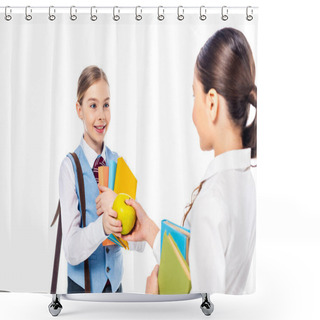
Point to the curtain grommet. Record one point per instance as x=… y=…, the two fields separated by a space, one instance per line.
x=138 y=16
x=52 y=17
x=116 y=17
x=73 y=15
x=224 y=13
x=180 y=15
x=203 y=13
x=249 y=16
x=7 y=15
x=28 y=16
x=160 y=16
x=93 y=17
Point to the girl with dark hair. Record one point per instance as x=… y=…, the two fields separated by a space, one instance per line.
x=222 y=215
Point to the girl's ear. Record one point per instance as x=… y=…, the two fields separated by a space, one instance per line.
x=212 y=104
x=79 y=110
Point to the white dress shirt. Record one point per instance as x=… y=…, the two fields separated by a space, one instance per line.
x=222 y=225
x=80 y=243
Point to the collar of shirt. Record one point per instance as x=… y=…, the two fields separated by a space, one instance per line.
x=230 y=160
x=90 y=154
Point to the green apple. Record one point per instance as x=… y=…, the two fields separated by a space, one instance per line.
x=126 y=214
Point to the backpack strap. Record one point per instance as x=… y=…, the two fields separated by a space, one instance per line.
x=59 y=232
x=58 y=211
x=83 y=211
x=55 y=272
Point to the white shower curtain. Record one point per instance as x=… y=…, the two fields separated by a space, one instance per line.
x=149 y=65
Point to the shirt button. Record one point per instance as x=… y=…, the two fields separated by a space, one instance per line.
x=108 y=269
x=107 y=249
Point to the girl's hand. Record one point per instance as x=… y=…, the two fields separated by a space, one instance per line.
x=145 y=229
x=105 y=199
x=110 y=222
x=152 y=286
x=104 y=204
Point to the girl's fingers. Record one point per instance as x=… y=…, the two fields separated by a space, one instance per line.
x=99 y=211
x=114 y=222
x=128 y=237
x=112 y=229
x=155 y=270
x=118 y=235
x=132 y=203
x=137 y=207
x=115 y=229
x=102 y=188
x=132 y=236
x=112 y=213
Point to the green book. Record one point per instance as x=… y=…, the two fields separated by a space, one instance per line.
x=174 y=272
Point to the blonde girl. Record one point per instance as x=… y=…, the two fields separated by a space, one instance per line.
x=85 y=242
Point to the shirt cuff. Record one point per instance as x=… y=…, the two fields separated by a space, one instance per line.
x=137 y=245
x=156 y=247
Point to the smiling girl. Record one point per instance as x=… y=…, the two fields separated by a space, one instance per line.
x=85 y=242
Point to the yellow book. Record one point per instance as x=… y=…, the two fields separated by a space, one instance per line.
x=125 y=181
x=174 y=273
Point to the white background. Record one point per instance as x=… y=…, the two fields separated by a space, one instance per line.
x=288 y=241
x=149 y=64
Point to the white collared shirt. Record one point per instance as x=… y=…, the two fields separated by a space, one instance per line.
x=222 y=225
x=80 y=243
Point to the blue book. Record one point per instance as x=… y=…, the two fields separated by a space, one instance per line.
x=180 y=235
x=114 y=240
x=112 y=174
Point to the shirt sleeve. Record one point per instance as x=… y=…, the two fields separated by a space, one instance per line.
x=78 y=243
x=137 y=245
x=206 y=251
x=156 y=248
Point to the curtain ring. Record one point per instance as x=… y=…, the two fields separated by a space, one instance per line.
x=203 y=14
x=51 y=15
x=8 y=17
x=180 y=16
x=93 y=17
x=249 y=16
x=116 y=17
x=160 y=16
x=138 y=16
x=224 y=13
x=28 y=16
x=73 y=16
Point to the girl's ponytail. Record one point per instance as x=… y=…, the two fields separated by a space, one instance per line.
x=194 y=195
x=249 y=133
x=252 y=97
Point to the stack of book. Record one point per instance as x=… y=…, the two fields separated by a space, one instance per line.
x=120 y=179
x=174 y=271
